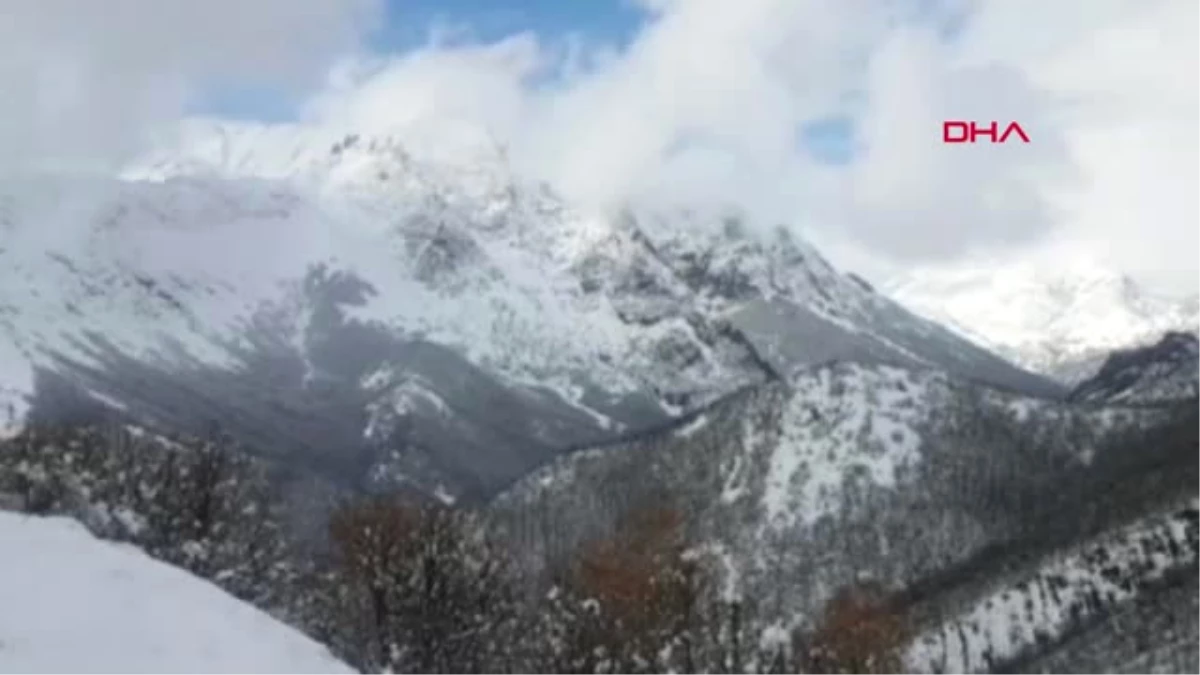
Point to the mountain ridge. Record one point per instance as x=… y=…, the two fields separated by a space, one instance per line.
x=441 y=307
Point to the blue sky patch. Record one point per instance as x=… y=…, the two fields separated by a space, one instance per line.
x=830 y=140
x=408 y=22
x=407 y=25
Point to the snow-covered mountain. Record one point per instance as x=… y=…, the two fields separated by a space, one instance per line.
x=72 y=603
x=421 y=315
x=1002 y=524
x=1059 y=320
x=375 y=311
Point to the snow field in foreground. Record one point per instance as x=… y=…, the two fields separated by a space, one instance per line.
x=72 y=603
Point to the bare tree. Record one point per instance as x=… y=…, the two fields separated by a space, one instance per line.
x=636 y=596
x=435 y=591
x=858 y=633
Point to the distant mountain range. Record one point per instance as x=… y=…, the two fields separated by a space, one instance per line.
x=1061 y=321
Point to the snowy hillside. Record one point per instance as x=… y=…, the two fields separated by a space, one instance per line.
x=664 y=270
x=889 y=472
x=423 y=312
x=1060 y=321
x=935 y=489
x=1069 y=589
x=72 y=603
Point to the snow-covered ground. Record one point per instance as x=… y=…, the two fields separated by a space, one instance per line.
x=73 y=603
x=842 y=420
x=1064 y=591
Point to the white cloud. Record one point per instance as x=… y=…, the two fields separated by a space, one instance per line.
x=704 y=105
x=704 y=102
x=86 y=81
x=918 y=198
x=485 y=84
x=1138 y=141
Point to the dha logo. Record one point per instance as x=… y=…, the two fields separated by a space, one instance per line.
x=955 y=131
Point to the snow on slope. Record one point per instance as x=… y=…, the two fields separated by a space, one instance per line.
x=187 y=262
x=461 y=251
x=984 y=504
x=836 y=425
x=1073 y=586
x=294 y=280
x=184 y=272
x=843 y=470
x=72 y=603
x=461 y=256
x=1059 y=321
x=650 y=267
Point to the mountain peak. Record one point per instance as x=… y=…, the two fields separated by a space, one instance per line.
x=310 y=151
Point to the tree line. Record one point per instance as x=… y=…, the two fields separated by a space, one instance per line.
x=402 y=583
x=424 y=589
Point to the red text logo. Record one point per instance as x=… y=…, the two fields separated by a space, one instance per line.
x=955 y=131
